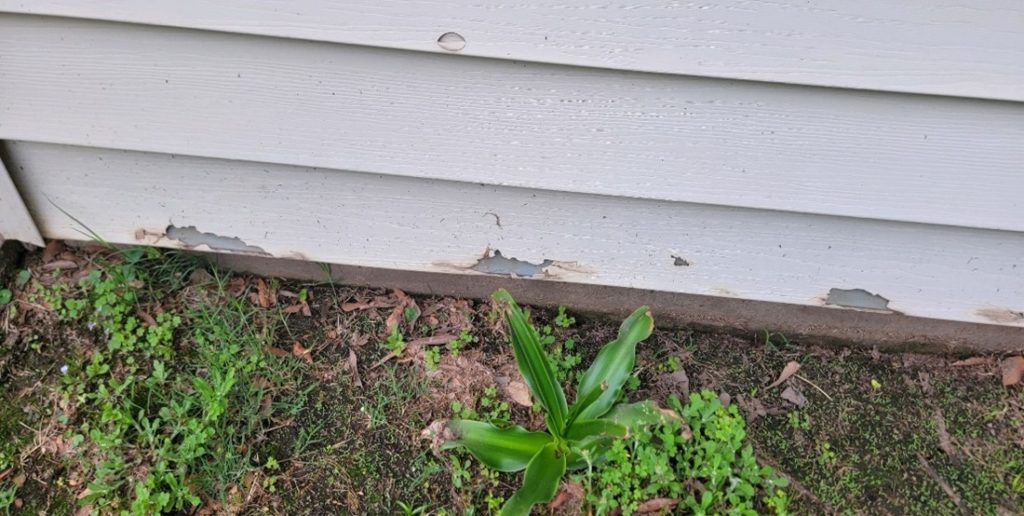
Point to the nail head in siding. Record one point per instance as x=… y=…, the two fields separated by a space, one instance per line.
x=451 y=41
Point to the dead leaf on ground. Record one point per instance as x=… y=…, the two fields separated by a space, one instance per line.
x=277 y=352
x=656 y=505
x=974 y=361
x=752 y=407
x=52 y=249
x=60 y=265
x=19 y=480
x=301 y=352
x=791 y=368
x=677 y=381
x=358 y=340
x=1013 y=370
x=518 y=392
x=146 y=318
x=263 y=297
x=353 y=368
x=794 y=396
x=569 y=499
x=236 y=287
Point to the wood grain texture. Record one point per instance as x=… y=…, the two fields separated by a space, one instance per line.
x=15 y=221
x=439 y=226
x=814 y=150
x=945 y=47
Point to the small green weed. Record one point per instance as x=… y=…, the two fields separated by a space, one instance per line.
x=706 y=449
x=564 y=320
x=395 y=342
x=165 y=407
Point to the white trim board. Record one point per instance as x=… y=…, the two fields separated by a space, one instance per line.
x=953 y=47
x=813 y=150
x=438 y=226
x=15 y=221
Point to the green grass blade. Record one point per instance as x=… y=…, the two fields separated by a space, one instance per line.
x=613 y=365
x=534 y=365
x=503 y=449
x=539 y=483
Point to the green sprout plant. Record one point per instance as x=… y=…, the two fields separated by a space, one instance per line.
x=577 y=435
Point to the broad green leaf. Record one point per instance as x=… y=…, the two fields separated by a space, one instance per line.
x=613 y=365
x=596 y=428
x=503 y=449
x=539 y=483
x=644 y=413
x=581 y=403
x=534 y=365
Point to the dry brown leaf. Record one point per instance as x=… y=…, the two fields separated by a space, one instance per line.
x=518 y=392
x=52 y=249
x=359 y=340
x=60 y=265
x=264 y=298
x=974 y=361
x=277 y=352
x=432 y=340
x=19 y=480
x=794 y=396
x=306 y=312
x=300 y=352
x=677 y=382
x=292 y=309
x=656 y=505
x=146 y=318
x=18 y=503
x=353 y=368
x=1013 y=370
x=791 y=368
x=236 y=287
x=752 y=407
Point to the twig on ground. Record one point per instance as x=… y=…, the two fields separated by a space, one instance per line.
x=815 y=386
x=939 y=480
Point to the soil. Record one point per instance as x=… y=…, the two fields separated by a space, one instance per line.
x=876 y=433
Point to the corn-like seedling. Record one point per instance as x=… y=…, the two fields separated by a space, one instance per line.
x=577 y=434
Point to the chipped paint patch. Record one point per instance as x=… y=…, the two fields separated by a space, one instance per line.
x=496 y=263
x=1001 y=315
x=679 y=261
x=190 y=237
x=858 y=299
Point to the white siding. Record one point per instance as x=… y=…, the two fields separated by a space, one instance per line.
x=968 y=48
x=284 y=129
x=438 y=226
x=15 y=221
x=858 y=154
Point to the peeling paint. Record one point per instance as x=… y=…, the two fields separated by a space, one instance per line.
x=191 y=237
x=857 y=298
x=496 y=263
x=679 y=261
x=1001 y=315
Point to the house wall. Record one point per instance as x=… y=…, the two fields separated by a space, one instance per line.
x=853 y=156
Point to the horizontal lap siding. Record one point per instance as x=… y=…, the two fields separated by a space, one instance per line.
x=813 y=150
x=440 y=226
x=967 y=48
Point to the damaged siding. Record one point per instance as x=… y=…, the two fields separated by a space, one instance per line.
x=540 y=152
